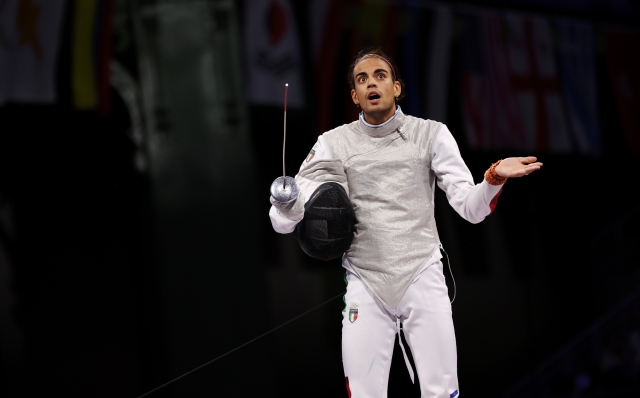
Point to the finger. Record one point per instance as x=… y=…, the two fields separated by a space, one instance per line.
x=530 y=170
x=525 y=171
x=528 y=159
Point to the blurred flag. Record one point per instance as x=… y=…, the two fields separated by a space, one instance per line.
x=319 y=11
x=491 y=114
x=272 y=53
x=577 y=68
x=418 y=37
x=375 y=24
x=439 y=59
x=91 y=54
x=83 y=76
x=535 y=83
x=328 y=41
x=347 y=28
x=622 y=56
x=411 y=57
x=29 y=44
x=422 y=51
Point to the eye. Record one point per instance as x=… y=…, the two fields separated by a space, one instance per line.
x=381 y=76
x=361 y=79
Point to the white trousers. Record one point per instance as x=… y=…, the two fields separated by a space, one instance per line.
x=368 y=336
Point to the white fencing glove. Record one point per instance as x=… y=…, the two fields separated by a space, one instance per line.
x=309 y=179
x=293 y=210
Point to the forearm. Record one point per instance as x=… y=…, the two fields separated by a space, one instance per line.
x=472 y=201
x=476 y=204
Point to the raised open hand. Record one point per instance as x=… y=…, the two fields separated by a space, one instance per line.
x=517 y=167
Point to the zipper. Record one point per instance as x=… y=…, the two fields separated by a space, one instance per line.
x=400 y=132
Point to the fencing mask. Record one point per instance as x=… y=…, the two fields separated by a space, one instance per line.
x=328 y=225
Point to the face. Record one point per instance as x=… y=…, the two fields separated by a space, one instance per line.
x=375 y=90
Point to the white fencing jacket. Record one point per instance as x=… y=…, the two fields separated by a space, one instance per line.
x=391 y=171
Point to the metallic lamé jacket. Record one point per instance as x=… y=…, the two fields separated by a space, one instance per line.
x=391 y=186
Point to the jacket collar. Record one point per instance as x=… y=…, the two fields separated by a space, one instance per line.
x=380 y=130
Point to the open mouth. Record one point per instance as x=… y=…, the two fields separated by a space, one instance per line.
x=373 y=96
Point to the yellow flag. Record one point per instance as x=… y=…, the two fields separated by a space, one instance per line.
x=82 y=62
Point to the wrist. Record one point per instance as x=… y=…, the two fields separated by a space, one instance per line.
x=492 y=176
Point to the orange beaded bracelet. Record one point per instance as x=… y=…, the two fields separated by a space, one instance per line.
x=492 y=177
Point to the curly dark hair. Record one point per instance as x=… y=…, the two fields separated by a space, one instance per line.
x=376 y=53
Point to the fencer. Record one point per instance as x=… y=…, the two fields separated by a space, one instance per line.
x=389 y=164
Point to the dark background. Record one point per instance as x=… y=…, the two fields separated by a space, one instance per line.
x=128 y=263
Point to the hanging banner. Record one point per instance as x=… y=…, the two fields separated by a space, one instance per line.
x=30 y=33
x=622 y=57
x=576 y=58
x=91 y=55
x=535 y=83
x=272 y=53
x=491 y=113
x=411 y=56
x=328 y=39
x=439 y=61
x=375 y=24
x=422 y=50
x=417 y=37
x=83 y=68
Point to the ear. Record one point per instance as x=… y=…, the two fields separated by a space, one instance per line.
x=397 y=88
x=354 y=97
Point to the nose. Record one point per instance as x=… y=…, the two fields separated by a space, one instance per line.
x=371 y=83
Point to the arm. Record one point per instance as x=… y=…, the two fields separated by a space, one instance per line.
x=472 y=201
x=285 y=222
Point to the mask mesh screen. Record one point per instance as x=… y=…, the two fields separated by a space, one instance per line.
x=326 y=231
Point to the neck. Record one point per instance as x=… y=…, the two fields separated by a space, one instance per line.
x=379 y=117
x=382 y=129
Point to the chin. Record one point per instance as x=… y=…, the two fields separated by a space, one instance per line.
x=378 y=109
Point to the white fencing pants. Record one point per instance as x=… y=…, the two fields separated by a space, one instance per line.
x=368 y=336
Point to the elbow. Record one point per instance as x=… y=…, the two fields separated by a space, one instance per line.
x=475 y=218
x=476 y=214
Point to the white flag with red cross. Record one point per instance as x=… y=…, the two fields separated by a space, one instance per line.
x=491 y=114
x=535 y=83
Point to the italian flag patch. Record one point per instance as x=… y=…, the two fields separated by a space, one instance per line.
x=353 y=314
x=310 y=156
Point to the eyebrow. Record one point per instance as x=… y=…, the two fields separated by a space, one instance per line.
x=374 y=72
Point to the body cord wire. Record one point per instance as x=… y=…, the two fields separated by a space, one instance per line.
x=240 y=346
x=455 y=289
